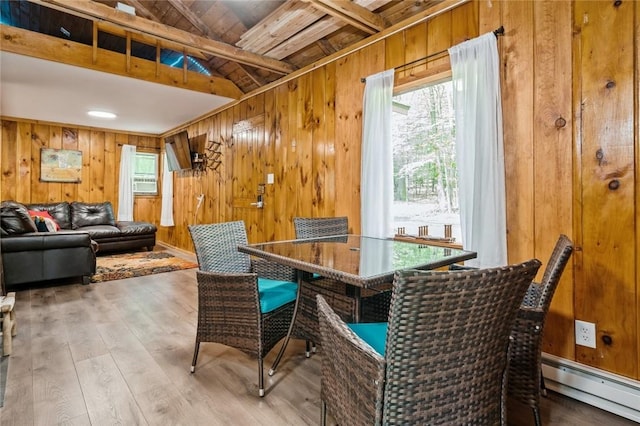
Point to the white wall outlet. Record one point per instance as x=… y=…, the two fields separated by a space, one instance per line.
x=585 y=334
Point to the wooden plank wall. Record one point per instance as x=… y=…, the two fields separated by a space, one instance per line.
x=558 y=61
x=609 y=292
x=20 y=152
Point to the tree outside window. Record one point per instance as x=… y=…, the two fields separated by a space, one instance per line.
x=424 y=157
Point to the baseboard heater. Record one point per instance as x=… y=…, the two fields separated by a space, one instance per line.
x=607 y=391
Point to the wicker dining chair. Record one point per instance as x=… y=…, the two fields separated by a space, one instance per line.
x=525 y=359
x=441 y=358
x=375 y=302
x=243 y=303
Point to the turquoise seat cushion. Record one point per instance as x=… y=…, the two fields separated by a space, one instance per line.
x=374 y=333
x=274 y=293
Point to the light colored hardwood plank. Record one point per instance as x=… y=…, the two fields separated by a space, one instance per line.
x=108 y=398
x=57 y=396
x=144 y=377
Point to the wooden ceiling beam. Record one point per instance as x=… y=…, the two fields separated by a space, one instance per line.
x=312 y=33
x=98 y=11
x=146 y=13
x=184 y=10
x=117 y=30
x=251 y=76
x=326 y=46
x=42 y=46
x=353 y=14
x=309 y=35
x=288 y=19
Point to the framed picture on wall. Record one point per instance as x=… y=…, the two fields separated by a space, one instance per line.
x=60 y=165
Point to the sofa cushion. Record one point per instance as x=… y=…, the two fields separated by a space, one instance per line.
x=101 y=231
x=374 y=333
x=90 y=214
x=136 y=228
x=60 y=212
x=15 y=219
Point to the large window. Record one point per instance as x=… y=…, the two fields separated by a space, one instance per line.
x=424 y=160
x=145 y=177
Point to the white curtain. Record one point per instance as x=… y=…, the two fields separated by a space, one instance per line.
x=376 y=183
x=125 y=194
x=166 y=213
x=479 y=149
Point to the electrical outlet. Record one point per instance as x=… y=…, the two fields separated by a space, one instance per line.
x=585 y=334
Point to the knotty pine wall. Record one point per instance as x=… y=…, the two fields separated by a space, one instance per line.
x=558 y=111
x=20 y=149
x=571 y=117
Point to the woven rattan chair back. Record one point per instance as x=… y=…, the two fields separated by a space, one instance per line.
x=553 y=271
x=314 y=227
x=446 y=351
x=306 y=323
x=228 y=296
x=525 y=353
x=216 y=246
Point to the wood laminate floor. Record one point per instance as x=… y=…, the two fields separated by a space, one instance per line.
x=119 y=353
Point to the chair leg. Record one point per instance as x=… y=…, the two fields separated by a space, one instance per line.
x=6 y=334
x=323 y=413
x=8 y=316
x=307 y=351
x=543 y=388
x=195 y=356
x=260 y=378
x=14 y=324
x=273 y=368
x=536 y=416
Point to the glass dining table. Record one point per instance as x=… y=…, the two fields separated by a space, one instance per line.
x=358 y=261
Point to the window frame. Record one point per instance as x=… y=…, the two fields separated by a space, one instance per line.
x=411 y=83
x=156 y=176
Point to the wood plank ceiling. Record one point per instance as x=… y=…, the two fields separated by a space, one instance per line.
x=250 y=42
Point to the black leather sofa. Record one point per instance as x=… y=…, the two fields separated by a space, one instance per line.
x=85 y=228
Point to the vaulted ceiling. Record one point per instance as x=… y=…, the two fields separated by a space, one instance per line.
x=294 y=32
x=249 y=43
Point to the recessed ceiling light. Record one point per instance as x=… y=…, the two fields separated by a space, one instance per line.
x=101 y=114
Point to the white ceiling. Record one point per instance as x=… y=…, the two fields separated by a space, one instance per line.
x=49 y=91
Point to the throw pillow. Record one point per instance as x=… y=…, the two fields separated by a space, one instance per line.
x=39 y=221
x=60 y=212
x=15 y=219
x=47 y=220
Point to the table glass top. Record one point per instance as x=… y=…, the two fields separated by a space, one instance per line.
x=360 y=256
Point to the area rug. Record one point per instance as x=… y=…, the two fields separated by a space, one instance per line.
x=128 y=265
